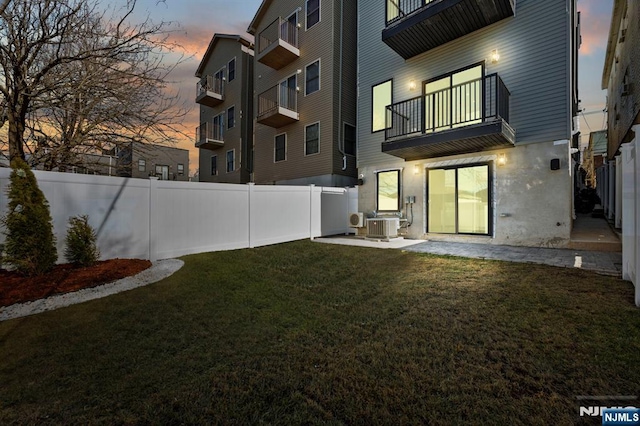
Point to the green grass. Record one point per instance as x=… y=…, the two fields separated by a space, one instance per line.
x=316 y=333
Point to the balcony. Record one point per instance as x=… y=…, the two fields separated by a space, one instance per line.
x=278 y=44
x=210 y=91
x=210 y=136
x=278 y=106
x=416 y=26
x=464 y=118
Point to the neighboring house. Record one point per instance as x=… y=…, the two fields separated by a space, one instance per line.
x=466 y=117
x=305 y=92
x=594 y=156
x=225 y=96
x=141 y=160
x=621 y=75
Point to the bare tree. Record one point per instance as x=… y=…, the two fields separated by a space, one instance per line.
x=4 y=5
x=74 y=78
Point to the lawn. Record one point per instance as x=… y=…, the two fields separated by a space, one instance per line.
x=316 y=333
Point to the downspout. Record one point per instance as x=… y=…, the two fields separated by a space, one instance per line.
x=340 y=125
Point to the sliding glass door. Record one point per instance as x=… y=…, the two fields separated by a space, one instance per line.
x=459 y=200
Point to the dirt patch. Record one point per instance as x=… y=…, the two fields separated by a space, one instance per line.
x=16 y=288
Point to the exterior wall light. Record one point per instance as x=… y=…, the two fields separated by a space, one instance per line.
x=502 y=160
x=412 y=85
x=495 y=56
x=416 y=169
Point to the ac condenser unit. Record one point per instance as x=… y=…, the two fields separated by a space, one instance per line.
x=383 y=227
x=356 y=220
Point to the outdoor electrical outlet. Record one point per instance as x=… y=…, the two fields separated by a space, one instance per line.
x=411 y=199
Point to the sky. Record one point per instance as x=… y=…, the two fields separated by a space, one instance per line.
x=195 y=22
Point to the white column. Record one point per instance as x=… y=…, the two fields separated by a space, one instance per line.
x=153 y=218
x=628 y=212
x=250 y=223
x=636 y=186
x=611 y=189
x=618 y=193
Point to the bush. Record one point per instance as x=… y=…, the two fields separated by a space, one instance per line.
x=81 y=242
x=30 y=246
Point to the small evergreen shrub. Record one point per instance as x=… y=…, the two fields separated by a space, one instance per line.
x=30 y=246
x=81 y=242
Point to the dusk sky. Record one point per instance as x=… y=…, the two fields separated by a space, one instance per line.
x=195 y=22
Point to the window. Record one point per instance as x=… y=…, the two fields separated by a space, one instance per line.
x=312 y=139
x=388 y=187
x=280 y=147
x=459 y=200
x=214 y=165
x=231 y=117
x=312 y=78
x=218 y=82
x=180 y=169
x=231 y=70
x=162 y=172
x=313 y=12
x=288 y=93
x=231 y=159
x=217 y=132
x=349 y=139
x=142 y=165
x=381 y=97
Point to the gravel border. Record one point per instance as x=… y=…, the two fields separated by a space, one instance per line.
x=158 y=271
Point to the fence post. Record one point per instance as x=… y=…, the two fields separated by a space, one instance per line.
x=250 y=207
x=618 y=197
x=153 y=204
x=628 y=212
x=311 y=206
x=636 y=188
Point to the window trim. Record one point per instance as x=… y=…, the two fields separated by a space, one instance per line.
x=306 y=15
x=212 y=161
x=227 y=127
x=275 y=160
x=229 y=79
x=305 y=77
x=399 y=172
x=305 y=139
x=233 y=151
x=355 y=142
x=372 y=103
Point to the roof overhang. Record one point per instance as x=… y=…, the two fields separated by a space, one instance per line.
x=212 y=44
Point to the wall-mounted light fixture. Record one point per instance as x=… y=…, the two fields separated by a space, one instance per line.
x=416 y=169
x=502 y=160
x=412 y=85
x=495 y=56
x=299 y=71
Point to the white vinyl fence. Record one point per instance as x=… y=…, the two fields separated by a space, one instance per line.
x=153 y=219
x=630 y=174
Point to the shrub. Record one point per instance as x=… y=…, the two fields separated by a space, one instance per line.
x=30 y=246
x=81 y=242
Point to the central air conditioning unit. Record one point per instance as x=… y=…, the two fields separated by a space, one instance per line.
x=386 y=227
x=356 y=220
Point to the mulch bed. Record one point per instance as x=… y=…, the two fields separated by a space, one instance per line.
x=16 y=288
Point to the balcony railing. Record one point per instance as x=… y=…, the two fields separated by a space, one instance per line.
x=210 y=90
x=278 y=106
x=472 y=102
x=398 y=9
x=278 y=44
x=209 y=135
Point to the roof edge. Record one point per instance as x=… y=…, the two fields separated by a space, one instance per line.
x=214 y=40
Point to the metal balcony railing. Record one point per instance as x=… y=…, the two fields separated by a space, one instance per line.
x=278 y=29
x=212 y=83
x=208 y=132
x=398 y=9
x=278 y=96
x=468 y=103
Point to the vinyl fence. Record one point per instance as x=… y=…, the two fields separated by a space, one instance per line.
x=153 y=219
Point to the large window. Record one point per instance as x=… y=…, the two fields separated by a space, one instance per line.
x=459 y=200
x=312 y=78
x=231 y=160
x=231 y=117
x=288 y=92
x=214 y=165
x=231 y=71
x=388 y=187
x=313 y=12
x=280 y=148
x=312 y=139
x=217 y=132
x=349 y=139
x=381 y=97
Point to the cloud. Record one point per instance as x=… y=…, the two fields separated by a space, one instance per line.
x=595 y=19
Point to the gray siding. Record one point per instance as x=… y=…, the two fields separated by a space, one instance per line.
x=319 y=42
x=534 y=64
x=159 y=155
x=238 y=138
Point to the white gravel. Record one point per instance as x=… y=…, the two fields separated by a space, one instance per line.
x=158 y=271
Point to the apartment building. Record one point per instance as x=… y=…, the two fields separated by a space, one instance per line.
x=141 y=160
x=305 y=92
x=225 y=95
x=466 y=118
